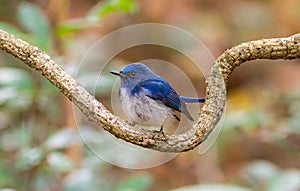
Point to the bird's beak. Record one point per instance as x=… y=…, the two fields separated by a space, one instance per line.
x=114 y=72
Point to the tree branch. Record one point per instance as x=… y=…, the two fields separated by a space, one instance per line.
x=281 y=48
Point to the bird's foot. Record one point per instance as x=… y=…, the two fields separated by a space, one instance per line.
x=161 y=131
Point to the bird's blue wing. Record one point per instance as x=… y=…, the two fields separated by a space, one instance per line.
x=159 y=90
x=162 y=91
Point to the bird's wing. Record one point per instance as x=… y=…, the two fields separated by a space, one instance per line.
x=162 y=91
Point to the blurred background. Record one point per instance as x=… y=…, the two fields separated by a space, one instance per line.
x=40 y=148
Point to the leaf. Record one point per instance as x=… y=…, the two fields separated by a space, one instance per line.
x=294 y=122
x=246 y=119
x=95 y=15
x=287 y=181
x=13 y=83
x=213 y=187
x=17 y=139
x=59 y=162
x=6 y=176
x=96 y=83
x=13 y=30
x=262 y=171
x=109 y=6
x=42 y=180
x=16 y=78
x=12 y=76
x=62 y=139
x=81 y=179
x=28 y=157
x=136 y=183
x=8 y=94
x=33 y=20
x=74 y=25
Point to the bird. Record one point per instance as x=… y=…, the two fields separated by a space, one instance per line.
x=149 y=100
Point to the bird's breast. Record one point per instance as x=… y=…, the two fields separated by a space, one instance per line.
x=143 y=110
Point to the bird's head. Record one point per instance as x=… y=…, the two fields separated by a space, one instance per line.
x=134 y=73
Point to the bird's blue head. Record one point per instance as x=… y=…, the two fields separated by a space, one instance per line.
x=134 y=73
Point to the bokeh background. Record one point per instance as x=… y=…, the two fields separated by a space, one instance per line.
x=259 y=143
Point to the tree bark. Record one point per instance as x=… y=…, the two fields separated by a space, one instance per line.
x=210 y=114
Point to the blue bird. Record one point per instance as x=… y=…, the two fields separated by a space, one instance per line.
x=147 y=99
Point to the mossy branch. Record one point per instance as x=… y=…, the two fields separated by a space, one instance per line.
x=277 y=48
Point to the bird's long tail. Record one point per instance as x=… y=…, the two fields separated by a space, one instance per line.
x=192 y=99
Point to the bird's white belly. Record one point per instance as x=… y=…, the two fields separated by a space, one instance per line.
x=146 y=111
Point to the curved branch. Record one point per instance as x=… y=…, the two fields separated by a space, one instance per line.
x=281 y=48
x=276 y=48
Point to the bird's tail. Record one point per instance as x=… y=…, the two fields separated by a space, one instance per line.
x=192 y=99
x=189 y=100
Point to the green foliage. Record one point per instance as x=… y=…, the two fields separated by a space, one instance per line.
x=59 y=162
x=32 y=141
x=260 y=175
x=287 y=180
x=213 y=187
x=276 y=118
x=263 y=175
x=62 y=139
x=95 y=15
x=34 y=21
x=111 y=6
x=89 y=81
x=11 y=29
x=136 y=183
x=261 y=172
x=13 y=83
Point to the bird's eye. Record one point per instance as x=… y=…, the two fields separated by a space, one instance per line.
x=133 y=74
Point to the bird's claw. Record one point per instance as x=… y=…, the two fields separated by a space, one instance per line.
x=161 y=131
